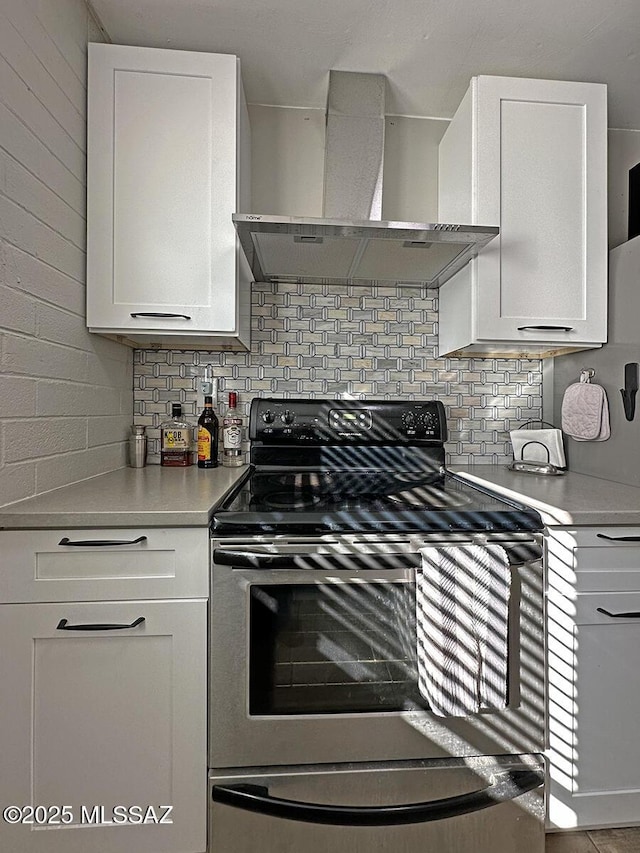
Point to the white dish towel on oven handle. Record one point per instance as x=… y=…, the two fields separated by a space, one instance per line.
x=462 y=625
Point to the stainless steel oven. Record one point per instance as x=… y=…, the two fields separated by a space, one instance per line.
x=313 y=654
x=317 y=712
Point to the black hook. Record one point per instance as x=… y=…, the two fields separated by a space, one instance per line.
x=630 y=389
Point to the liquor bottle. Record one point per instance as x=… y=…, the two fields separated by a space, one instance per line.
x=232 y=434
x=176 y=437
x=208 y=436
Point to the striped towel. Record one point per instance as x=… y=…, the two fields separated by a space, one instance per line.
x=462 y=621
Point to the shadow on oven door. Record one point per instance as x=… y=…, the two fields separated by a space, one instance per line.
x=477 y=806
x=313 y=656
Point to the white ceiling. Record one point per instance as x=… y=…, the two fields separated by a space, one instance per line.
x=428 y=49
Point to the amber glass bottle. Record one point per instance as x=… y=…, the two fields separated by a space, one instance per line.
x=208 y=436
x=176 y=438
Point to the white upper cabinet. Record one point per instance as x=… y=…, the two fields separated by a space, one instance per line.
x=168 y=165
x=531 y=157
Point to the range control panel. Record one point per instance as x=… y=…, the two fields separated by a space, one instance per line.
x=299 y=422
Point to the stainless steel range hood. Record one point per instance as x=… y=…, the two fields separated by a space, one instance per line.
x=351 y=244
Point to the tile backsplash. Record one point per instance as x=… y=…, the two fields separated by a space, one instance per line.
x=340 y=341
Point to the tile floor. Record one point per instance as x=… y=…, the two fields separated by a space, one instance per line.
x=595 y=841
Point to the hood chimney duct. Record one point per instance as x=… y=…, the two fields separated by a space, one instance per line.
x=354 y=149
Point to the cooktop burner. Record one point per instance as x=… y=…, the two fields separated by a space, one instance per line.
x=291 y=500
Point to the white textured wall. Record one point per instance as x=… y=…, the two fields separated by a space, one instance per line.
x=65 y=395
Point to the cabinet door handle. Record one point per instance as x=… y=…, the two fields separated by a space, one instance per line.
x=84 y=543
x=546 y=328
x=160 y=314
x=618 y=538
x=631 y=615
x=64 y=626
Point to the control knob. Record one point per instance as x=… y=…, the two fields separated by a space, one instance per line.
x=409 y=421
x=268 y=417
x=287 y=417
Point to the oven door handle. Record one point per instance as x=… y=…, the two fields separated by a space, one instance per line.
x=517 y=554
x=255 y=560
x=255 y=798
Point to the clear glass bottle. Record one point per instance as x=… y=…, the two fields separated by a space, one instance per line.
x=176 y=439
x=208 y=436
x=232 y=429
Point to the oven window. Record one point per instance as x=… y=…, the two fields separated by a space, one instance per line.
x=332 y=648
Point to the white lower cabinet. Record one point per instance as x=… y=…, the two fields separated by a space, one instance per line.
x=594 y=690
x=103 y=703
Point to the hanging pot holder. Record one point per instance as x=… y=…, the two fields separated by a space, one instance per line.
x=585 y=410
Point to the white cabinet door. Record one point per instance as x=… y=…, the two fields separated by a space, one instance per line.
x=594 y=688
x=165 y=144
x=104 y=718
x=531 y=158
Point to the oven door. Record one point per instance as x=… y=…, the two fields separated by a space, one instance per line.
x=313 y=655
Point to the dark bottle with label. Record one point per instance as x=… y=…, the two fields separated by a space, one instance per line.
x=208 y=436
x=176 y=439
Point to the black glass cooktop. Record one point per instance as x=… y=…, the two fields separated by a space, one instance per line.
x=326 y=501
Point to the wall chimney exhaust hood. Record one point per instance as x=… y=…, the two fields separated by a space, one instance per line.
x=350 y=244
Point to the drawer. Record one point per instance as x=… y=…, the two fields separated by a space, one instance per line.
x=621 y=608
x=599 y=559
x=104 y=564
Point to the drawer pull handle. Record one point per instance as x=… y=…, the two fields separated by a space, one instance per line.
x=64 y=626
x=546 y=328
x=631 y=615
x=91 y=542
x=618 y=538
x=159 y=314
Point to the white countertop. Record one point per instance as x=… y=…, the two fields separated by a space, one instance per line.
x=563 y=500
x=185 y=497
x=130 y=497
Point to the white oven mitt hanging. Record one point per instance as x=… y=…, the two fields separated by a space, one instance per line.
x=585 y=410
